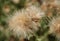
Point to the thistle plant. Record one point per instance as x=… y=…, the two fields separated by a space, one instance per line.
x=29 y=20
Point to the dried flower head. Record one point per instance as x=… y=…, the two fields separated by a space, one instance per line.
x=25 y=22
x=6 y=8
x=57 y=2
x=55 y=27
x=15 y=1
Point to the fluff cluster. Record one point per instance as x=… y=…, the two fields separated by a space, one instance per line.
x=57 y=2
x=26 y=21
x=55 y=27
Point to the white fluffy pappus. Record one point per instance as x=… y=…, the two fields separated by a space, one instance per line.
x=26 y=21
x=55 y=27
x=57 y=2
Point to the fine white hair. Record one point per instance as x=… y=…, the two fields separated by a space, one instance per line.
x=55 y=27
x=23 y=22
